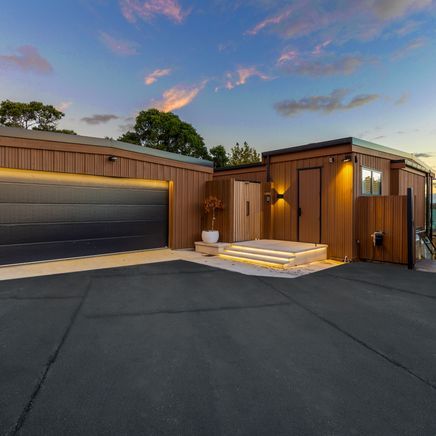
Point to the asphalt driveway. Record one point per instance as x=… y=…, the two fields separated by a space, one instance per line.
x=181 y=348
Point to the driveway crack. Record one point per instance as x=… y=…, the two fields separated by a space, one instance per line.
x=390 y=288
x=351 y=336
x=179 y=312
x=48 y=365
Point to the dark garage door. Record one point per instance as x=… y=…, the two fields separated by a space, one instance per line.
x=48 y=216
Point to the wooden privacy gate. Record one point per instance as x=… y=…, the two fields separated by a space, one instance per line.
x=241 y=219
x=387 y=214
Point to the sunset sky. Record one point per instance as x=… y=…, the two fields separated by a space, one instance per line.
x=272 y=72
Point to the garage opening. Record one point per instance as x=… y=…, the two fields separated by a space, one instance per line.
x=54 y=215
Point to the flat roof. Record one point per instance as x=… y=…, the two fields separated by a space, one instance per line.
x=39 y=135
x=239 y=167
x=353 y=141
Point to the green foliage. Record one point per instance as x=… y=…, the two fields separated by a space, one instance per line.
x=240 y=155
x=166 y=131
x=219 y=156
x=34 y=115
x=130 y=137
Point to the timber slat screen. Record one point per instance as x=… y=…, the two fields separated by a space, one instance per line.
x=387 y=214
x=241 y=219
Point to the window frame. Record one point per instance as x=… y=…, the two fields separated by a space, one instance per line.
x=372 y=171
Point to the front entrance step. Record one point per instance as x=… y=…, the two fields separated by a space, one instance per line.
x=211 y=249
x=277 y=254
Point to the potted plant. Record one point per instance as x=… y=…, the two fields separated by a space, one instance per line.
x=211 y=204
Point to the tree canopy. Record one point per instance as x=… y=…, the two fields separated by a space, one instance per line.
x=219 y=156
x=240 y=155
x=166 y=131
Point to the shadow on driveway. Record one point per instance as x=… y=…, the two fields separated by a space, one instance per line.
x=181 y=348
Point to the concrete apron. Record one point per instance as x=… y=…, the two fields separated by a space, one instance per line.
x=151 y=256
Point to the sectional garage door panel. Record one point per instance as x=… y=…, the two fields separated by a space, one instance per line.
x=41 y=220
x=20 y=192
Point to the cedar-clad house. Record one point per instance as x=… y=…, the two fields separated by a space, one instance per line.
x=339 y=193
x=66 y=196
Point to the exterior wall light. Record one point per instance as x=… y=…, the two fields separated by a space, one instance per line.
x=331 y=160
x=113 y=158
x=346 y=158
x=280 y=196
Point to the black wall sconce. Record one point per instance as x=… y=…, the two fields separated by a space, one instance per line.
x=331 y=160
x=113 y=158
x=280 y=196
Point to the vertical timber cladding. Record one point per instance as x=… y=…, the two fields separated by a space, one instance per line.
x=337 y=201
x=241 y=218
x=186 y=180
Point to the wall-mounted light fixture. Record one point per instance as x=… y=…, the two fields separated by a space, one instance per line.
x=280 y=196
x=113 y=158
x=347 y=158
x=331 y=160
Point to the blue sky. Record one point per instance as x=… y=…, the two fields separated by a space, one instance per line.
x=274 y=73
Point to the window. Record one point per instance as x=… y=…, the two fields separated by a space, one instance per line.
x=371 y=182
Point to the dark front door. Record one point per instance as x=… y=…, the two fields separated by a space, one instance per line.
x=309 y=205
x=48 y=216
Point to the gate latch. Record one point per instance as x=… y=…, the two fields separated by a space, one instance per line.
x=377 y=238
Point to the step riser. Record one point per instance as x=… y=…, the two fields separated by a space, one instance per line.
x=254 y=261
x=275 y=260
x=267 y=258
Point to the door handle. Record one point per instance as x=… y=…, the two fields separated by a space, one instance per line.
x=247 y=208
x=299 y=211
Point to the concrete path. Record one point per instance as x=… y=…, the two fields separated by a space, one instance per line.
x=152 y=256
x=182 y=348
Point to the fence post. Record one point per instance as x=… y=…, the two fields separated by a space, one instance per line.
x=411 y=233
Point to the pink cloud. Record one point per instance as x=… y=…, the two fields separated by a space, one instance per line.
x=156 y=74
x=27 y=59
x=319 y=48
x=120 y=47
x=287 y=55
x=277 y=19
x=408 y=48
x=178 y=97
x=242 y=75
x=340 y=21
x=146 y=10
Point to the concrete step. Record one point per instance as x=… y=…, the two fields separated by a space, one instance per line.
x=276 y=258
x=259 y=256
x=256 y=261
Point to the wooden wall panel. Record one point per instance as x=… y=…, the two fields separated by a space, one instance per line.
x=224 y=190
x=247 y=227
x=389 y=215
x=188 y=179
x=409 y=179
x=336 y=203
x=256 y=174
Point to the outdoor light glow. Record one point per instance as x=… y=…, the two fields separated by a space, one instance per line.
x=252 y=261
x=66 y=178
x=289 y=256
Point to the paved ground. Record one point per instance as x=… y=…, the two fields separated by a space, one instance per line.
x=153 y=256
x=182 y=348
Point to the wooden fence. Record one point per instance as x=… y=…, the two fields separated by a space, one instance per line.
x=387 y=214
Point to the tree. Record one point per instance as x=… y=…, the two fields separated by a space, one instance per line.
x=34 y=115
x=240 y=155
x=166 y=131
x=64 y=131
x=219 y=156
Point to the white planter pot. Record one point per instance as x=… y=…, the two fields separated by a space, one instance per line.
x=210 y=236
